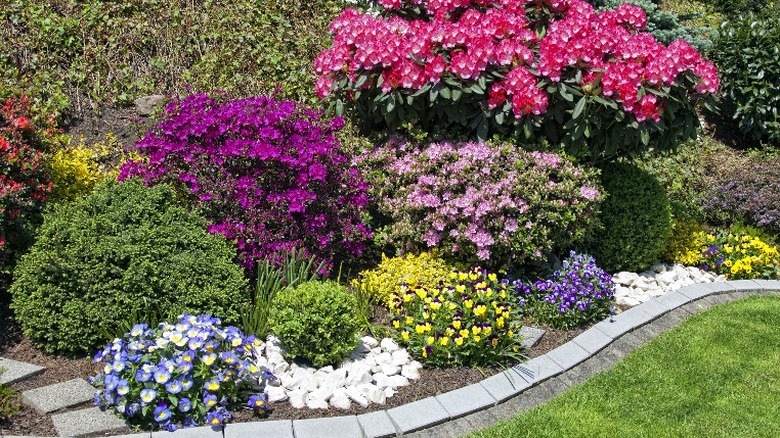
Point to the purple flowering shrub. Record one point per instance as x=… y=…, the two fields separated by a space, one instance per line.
x=749 y=192
x=484 y=203
x=269 y=175
x=578 y=293
x=181 y=375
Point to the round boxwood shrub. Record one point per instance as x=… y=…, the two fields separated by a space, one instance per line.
x=107 y=256
x=636 y=219
x=316 y=322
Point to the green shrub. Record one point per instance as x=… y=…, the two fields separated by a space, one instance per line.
x=747 y=54
x=105 y=257
x=737 y=7
x=666 y=26
x=316 y=322
x=636 y=219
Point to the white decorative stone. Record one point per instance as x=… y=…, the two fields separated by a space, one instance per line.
x=373 y=393
x=667 y=277
x=297 y=398
x=389 y=345
x=359 y=373
x=401 y=357
x=276 y=393
x=659 y=267
x=389 y=392
x=336 y=379
x=390 y=369
x=625 y=278
x=354 y=394
x=412 y=370
x=371 y=342
x=384 y=359
x=313 y=402
x=340 y=400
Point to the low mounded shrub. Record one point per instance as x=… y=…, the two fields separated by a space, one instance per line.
x=685 y=243
x=593 y=83
x=490 y=204
x=100 y=259
x=181 y=375
x=471 y=321
x=316 y=321
x=426 y=270
x=747 y=54
x=579 y=293
x=636 y=220
x=268 y=175
x=740 y=256
x=750 y=192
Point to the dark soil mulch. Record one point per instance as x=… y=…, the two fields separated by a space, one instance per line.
x=433 y=381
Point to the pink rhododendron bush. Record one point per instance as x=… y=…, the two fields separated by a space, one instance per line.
x=495 y=205
x=547 y=69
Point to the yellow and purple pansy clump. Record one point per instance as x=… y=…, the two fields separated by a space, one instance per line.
x=469 y=321
x=191 y=373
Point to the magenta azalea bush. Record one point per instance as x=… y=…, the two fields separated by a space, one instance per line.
x=269 y=175
x=493 y=204
x=593 y=82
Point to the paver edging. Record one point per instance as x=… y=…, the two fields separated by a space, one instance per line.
x=682 y=297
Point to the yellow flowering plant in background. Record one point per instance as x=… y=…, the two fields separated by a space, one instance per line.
x=426 y=270
x=740 y=256
x=76 y=169
x=471 y=321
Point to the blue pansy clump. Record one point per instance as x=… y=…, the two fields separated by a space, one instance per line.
x=578 y=293
x=181 y=375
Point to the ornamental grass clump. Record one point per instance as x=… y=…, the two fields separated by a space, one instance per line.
x=577 y=294
x=471 y=321
x=740 y=256
x=268 y=175
x=426 y=269
x=489 y=204
x=593 y=82
x=181 y=375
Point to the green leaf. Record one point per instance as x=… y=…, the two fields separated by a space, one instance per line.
x=456 y=93
x=445 y=93
x=579 y=108
x=339 y=108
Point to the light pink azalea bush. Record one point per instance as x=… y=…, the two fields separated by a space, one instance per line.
x=556 y=69
x=492 y=204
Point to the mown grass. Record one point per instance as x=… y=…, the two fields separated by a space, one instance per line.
x=716 y=375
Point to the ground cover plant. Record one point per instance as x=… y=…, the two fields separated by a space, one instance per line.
x=554 y=70
x=714 y=375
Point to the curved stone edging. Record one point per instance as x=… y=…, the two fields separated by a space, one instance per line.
x=519 y=388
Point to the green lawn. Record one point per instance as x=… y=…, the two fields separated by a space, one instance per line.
x=716 y=375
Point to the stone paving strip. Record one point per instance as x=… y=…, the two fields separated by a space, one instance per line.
x=480 y=405
x=61 y=395
x=14 y=371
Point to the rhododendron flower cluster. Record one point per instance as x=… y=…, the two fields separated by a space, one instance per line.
x=24 y=182
x=494 y=204
x=505 y=54
x=268 y=175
